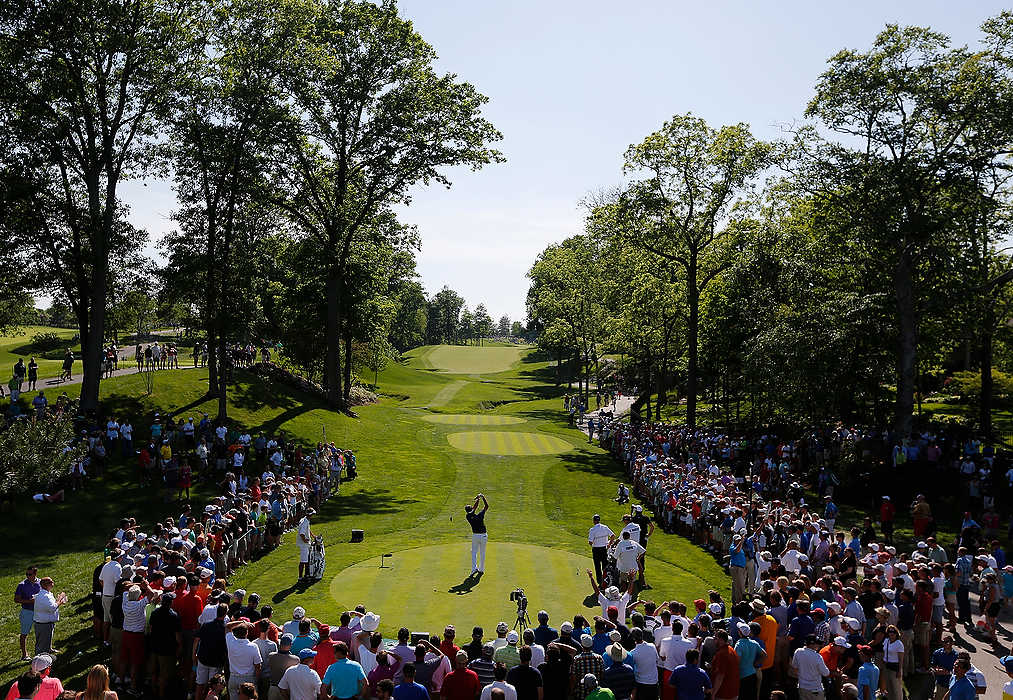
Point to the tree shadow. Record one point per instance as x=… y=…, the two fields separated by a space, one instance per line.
x=465 y=586
x=367 y=501
x=600 y=463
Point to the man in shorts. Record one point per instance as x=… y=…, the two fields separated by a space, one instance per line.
x=24 y=595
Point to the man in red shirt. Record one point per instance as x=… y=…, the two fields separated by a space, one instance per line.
x=886 y=515
x=924 y=593
x=461 y=683
x=725 y=669
x=188 y=605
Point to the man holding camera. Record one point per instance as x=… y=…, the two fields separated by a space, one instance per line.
x=479 y=535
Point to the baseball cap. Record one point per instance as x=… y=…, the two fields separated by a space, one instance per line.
x=566 y=627
x=299 y=612
x=286 y=640
x=1006 y=661
x=615 y=635
x=841 y=642
x=41 y=662
x=715 y=608
x=306 y=654
x=502 y=627
x=586 y=641
x=512 y=637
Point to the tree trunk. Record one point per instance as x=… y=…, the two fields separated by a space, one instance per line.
x=985 y=415
x=348 y=366
x=332 y=364
x=907 y=344
x=91 y=345
x=223 y=381
x=693 y=297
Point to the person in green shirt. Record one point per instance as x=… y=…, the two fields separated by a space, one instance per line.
x=15 y=386
x=508 y=655
x=594 y=692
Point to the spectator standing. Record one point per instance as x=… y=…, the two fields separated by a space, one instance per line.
x=244 y=656
x=527 y=681
x=166 y=642
x=689 y=680
x=46 y=613
x=493 y=690
x=278 y=663
x=645 y=666
x=408 y=689
x=619 y=676
x=301 y=682
x=24 y=595
x=462 y=683
x=811 y=669
x=344 y=678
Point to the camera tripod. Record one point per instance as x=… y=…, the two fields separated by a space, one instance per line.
x=522 y=621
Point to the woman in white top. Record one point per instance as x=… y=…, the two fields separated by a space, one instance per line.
x=892 y=680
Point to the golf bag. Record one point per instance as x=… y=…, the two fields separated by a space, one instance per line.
x=610 y=572
x=318 y=559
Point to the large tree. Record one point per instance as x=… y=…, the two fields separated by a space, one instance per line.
x=83 y=84
x=224 y=125
x=916 y=119
x=690 y=177
x=372 y=118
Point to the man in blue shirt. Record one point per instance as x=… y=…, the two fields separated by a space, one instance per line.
x=409 y=689
x=943 y=659
x=738 y=568
x=344 y=678
x=544 y=634
x=751 y=657
x=868 y=675
x=690 y=681
x=961 y=688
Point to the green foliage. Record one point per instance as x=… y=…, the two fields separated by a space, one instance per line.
x=33 y=454
x=43 y=342
x=968 y=384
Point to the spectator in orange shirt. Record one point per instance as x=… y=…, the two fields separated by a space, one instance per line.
x=724 y=671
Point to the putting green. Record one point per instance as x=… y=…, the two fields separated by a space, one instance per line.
x=488 y=442
x=472 y=419
x=466 y=359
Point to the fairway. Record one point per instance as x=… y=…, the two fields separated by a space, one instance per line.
x=472 y=419
x=468 y=359
x=488 y=442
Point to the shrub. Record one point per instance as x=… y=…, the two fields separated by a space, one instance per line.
x=43 y=342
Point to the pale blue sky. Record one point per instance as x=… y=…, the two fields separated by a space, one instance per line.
x=572 y=84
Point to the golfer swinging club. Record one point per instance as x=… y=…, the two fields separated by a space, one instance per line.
x=479 y=536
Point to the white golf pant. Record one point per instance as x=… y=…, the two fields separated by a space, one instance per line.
x=478 y=542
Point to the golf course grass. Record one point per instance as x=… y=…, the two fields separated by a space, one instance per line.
x=467 y=359
x=409 y=499
x=502 y=443
x=471 y=419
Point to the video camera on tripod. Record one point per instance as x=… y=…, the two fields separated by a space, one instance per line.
x=517 y=596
